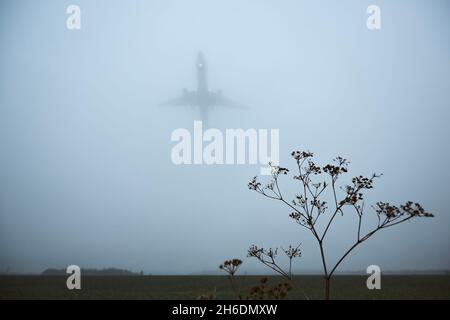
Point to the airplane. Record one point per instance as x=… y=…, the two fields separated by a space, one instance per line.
x=202 y=98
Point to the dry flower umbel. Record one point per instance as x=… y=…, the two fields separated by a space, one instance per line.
x=309 y=210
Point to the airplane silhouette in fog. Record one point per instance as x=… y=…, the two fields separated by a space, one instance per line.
x=202 y=98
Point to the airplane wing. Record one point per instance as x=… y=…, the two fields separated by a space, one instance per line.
x=185 y=99
x=218 y=99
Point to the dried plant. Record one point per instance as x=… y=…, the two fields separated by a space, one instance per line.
x=311 y=212
x=231 y=267
x=264 y=291
x=268 y=258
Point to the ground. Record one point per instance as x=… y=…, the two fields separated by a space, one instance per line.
x=190 y=287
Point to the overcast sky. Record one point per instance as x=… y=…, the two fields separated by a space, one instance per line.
x=86 y=176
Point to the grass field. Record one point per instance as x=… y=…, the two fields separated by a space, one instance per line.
x=190 y=287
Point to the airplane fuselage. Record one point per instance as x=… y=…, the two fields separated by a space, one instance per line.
x=202 y=98
x=202 y=83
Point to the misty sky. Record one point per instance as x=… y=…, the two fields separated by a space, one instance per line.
x=86 y=176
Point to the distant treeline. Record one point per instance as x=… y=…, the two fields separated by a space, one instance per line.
x=93 y=272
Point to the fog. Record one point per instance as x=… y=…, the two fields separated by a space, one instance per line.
x=86 y=175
